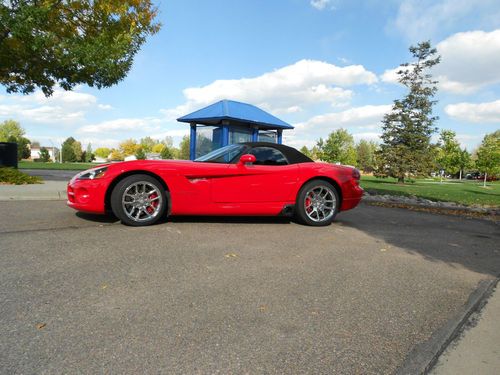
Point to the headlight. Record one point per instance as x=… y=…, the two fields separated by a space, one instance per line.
x=92 y=174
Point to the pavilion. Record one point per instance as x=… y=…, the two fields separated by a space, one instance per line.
x=227 y=122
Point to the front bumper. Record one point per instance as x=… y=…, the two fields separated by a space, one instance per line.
x=87 y=195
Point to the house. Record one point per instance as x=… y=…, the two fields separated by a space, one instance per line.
x=35 y=152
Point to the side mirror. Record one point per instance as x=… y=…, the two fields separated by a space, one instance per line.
x=247 y=158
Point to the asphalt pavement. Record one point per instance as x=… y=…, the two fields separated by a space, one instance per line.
x=51 y=175
x=84 y=294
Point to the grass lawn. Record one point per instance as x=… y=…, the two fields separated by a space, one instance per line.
x=465 y=192
x=63 y=166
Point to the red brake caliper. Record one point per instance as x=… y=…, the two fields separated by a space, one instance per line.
x=153 y=205
x=308 y=204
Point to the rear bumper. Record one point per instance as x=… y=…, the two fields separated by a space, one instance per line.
x=352 y=200
x=87 y=195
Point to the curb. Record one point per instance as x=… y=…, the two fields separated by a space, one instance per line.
x=456 y=211
x=424 y=356
x=49 y=190
x=61 y=196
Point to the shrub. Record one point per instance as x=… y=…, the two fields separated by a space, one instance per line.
x=14 y=177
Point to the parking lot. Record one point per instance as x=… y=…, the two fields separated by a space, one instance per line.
x=85 y=294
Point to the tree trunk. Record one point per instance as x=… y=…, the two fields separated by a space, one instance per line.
x=460 y=178
x=401 y=179
x=484 y=182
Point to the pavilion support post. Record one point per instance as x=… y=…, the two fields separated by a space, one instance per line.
x=280 y=136
x=192 y=142
x=255 y=134
x=225 y=133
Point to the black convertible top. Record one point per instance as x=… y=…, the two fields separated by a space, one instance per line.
x=293 y=156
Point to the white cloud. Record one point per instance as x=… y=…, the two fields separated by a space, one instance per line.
x=365 y=117
x=357 y=120
x=289 y=88
x=63 y=107
x=423 y=19
x=122 y=125
x=320 y=4
x=469 y=62
x=477 y=113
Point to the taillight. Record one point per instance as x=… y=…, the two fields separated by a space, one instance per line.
x=356 y=175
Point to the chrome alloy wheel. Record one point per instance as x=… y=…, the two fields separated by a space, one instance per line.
x=320 y=203
x=141 y=201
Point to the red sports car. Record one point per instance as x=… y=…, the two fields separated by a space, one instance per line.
x=240 y=179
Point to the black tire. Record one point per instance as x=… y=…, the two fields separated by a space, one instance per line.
x=330 y=209
x=140 y=208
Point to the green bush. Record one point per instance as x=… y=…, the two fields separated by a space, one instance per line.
x=14 y=177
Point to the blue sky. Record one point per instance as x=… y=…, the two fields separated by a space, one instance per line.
x=319 y=65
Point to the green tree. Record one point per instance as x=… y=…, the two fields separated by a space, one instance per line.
x=11 y=129
x=68 y=152
x=44 y=155
x=305 y=151
x=116 y=155
x=407 y=129
x=166 y=153
x=168 y=141
x=140 y=154
x=184 y=148
x=450 y=153
x=44 y=43
x=465 y=161
x=89 y=155
x=488 y=155
x=338 y=147
x=102 y=152
x=147 y=144
x=365 y=155
x=77 y=149
x=158 y=148
x=129 y=147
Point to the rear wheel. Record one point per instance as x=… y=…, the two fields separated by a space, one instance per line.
x=317 y=203
x=139 y=200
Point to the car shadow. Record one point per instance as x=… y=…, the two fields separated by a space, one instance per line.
x=107 y=219
x=231 y=219
x=458 y=241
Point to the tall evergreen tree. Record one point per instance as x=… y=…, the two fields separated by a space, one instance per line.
x=407 y=129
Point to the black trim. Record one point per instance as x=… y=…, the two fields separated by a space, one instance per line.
x=292 y=155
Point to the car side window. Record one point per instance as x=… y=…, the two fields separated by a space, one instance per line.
x=268 y=156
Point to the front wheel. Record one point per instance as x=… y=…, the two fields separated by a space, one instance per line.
x=317 y=203
x=139 y=200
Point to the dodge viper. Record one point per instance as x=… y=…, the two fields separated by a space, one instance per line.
x=252 y=178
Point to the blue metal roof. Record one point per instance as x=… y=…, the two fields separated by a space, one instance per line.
x=234 y=112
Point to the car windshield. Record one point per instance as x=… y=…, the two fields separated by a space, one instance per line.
x=226 y=154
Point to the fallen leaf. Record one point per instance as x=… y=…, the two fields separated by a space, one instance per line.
x=104 y=286
x=262 y=308
x=230 y=255
x=41 y=325
x=383 y=249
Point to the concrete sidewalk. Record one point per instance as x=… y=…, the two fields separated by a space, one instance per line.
x=477 y=349
x=49 y=190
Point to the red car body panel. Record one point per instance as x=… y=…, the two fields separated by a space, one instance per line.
x=203 y=188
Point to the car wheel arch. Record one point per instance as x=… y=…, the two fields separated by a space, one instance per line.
x=335 y=184
x=120 y=177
